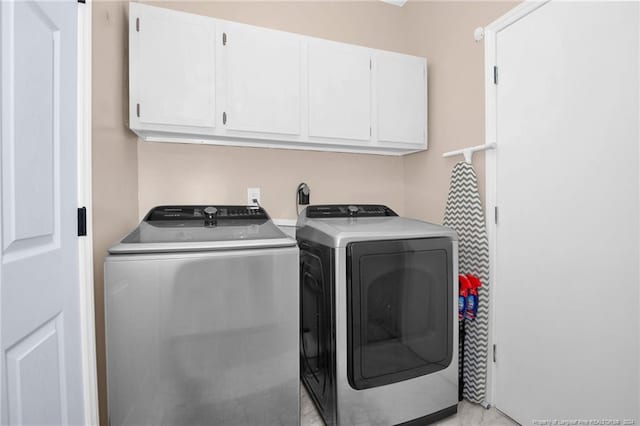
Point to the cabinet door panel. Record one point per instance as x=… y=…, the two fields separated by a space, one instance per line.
x=401 y=98
x=172 y=68
x=263 y=80
x=339 y=91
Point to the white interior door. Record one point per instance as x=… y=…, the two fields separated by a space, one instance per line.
x=40 y=338
x=339 y=90
x=566 y=256
x=262 y=80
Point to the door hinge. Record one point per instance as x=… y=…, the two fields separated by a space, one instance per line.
x=224 y=118
x=138 y=110
x=138 y=25
x=495 y=75
x=82 y=221
x=494 y=352
x=224 y=39
x=495 y=214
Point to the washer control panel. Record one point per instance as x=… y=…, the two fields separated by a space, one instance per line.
x=348 y=210
x=207 y=213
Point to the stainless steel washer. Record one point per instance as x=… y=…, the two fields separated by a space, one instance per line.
x=201 y=306
x=378 y=315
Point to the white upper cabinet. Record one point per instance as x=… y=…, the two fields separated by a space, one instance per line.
x=172 y=70
x=262 y=74
x=195 y=79
x=339 y=90
x=401 y=92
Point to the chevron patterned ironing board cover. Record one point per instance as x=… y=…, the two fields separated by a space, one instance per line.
x=465 y=214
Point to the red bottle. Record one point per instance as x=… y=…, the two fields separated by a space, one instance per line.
x=471 y=307
x=465 y=285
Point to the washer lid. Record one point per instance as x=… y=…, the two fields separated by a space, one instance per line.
x=203 y=228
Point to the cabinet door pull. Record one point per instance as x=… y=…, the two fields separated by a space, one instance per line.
x=224 y=118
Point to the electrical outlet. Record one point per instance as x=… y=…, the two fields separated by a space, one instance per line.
x=253 y=194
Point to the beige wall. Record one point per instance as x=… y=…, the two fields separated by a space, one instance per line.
x=192 y=174
x=115 y=156
x=443 y=33
x=130 y=176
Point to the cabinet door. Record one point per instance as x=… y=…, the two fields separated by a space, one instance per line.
x=172 y=70
x=401 y=98
x=262 y=80
x=339 y=91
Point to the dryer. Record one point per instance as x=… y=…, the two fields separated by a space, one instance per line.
x=201 y=307
x=378 y=332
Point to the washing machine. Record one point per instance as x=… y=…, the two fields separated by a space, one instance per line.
x=202 y=309
x=378 y=332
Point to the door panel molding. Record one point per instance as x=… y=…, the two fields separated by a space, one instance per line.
x=28 y=230
x=39 y=354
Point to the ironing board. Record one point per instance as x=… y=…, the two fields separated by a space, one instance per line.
x=465 y=214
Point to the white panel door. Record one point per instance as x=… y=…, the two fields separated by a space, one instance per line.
x=567 y=184
x=172 y=60
x=339 y=90
x=262 y=69
x=39 y=280
x=401 y=98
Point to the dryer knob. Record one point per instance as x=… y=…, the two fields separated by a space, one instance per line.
x=353 y=210
x=210 y=211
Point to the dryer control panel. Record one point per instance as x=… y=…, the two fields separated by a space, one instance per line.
x=348 y=210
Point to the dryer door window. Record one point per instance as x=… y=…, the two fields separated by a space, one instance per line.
x=400 y=323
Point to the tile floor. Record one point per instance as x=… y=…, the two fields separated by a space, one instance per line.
x=474 y=415
x=309 y=416
x=468 y=415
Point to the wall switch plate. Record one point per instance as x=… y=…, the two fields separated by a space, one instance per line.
x=253 y=194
